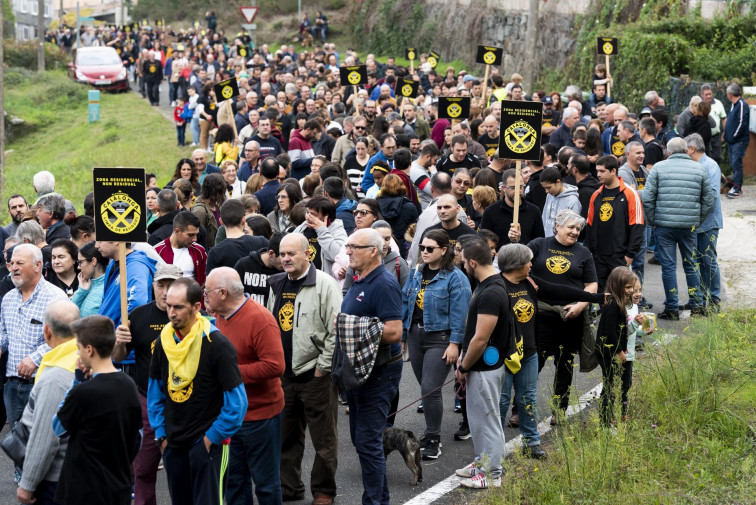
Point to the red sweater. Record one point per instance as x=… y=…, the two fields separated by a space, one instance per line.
x=255 y=334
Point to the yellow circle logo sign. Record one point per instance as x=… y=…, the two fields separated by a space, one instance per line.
x=489 y=58
x=286 y=316
x=227 y=92
x=605 y=211
x=407 y=90
x=520 y=137
x=242 y=52
x=432 y=61
x=523 y=310
x=557 y=264
x=454 y=110
x=618 y=148
x=608 y=48
x=120 y=213
x=354 y=77
x=411 y=55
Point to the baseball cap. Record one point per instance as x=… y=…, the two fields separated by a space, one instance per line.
x=167 y=271
x=646 y=110
x=468 y=78
x=547 y=99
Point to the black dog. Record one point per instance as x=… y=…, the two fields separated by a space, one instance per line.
x=404 y=441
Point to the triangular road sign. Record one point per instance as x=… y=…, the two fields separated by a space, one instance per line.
x=249 y=13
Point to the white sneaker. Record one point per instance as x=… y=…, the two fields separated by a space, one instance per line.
x=468 y=471
x=480 y=481
x=173 y=104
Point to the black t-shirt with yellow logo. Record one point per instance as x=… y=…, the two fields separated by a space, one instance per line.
x=145 y=323
x=616 y=145
x=605 y=224
x=640 y=179
x=489 y=144
x=314 y=249
x=562 y=265
x=417 y=314
x=524 y=307
x=285 y=312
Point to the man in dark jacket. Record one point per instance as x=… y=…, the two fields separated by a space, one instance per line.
x=563 y=135
x=266 y=195
x=736 y=135
x=162 y=227
x=51 y=210
x=498 y=217
x=255 y=269
x=333 y=188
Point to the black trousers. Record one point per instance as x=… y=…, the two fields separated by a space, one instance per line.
x=196 y=477
x=153 y=91
x=560 y=339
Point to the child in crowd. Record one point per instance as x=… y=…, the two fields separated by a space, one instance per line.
x=380 y=169
x=600 y=76
x=611 y=336
x=635 y=333
x=180 y=120
x=579 y=138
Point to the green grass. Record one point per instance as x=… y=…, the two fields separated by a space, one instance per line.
x=57 y=135
x=690 y=438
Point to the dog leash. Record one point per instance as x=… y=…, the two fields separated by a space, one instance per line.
x=425 y=395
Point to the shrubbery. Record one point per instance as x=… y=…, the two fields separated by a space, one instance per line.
x=24 y=55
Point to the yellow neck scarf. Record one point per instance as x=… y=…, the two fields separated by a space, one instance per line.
x=183 y=357
x=62 y=356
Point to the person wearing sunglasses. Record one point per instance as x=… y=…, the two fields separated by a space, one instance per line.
x=346 y=143
x=435 y=294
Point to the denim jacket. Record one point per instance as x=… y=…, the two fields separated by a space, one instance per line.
x=447 y=297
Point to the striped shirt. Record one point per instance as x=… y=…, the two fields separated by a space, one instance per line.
x=21 y=324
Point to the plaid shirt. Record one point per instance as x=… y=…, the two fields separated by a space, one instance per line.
x=359 y=338
x=21 y=324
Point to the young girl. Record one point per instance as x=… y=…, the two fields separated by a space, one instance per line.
x=611 y=336
x=635 y=333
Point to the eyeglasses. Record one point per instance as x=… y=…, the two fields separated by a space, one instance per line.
x=206 y=291
x=282 y=197
x=512 y=188
x=429 y=248
x=356 y=246
x=361 y=212
x=360 y=127
x=461 y=182
x=79 y=262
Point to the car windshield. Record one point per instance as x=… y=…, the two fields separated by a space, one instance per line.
x=97 y=58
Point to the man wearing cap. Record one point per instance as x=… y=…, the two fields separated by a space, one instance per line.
x=139 y=335
x=550 y=119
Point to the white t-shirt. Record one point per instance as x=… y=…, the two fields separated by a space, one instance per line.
x=183 y=260
x=718 y=114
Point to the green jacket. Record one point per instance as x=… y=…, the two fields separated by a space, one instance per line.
x=677 y=193
x=313 y=337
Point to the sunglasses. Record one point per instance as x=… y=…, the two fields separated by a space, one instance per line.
x=361 y=212
x=359 y=127
x=429 y=248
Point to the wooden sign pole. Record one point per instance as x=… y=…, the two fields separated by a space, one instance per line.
x=123 y=282
x=485 y=86
x=518 y=181
x=356 y=101
x=608 y=85
x=412 y=67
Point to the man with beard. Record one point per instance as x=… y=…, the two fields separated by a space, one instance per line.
x=458 y=157
x=550 y=119
x=300 y=148
x=17 y=207
x=369 y=112
x=498 y=217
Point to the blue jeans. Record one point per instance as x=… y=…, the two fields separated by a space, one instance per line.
x=255 y=457
x=638 y=265
x=195 y=127
x=181 y=134
x=706 y=256
x=368 y=409
x=650 y=240
x=16 y=396
x=737 y=152
x=667 y=242
x=526 y=386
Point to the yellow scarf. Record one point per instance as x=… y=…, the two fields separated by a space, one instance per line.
x=62 y=356
x=183 y=357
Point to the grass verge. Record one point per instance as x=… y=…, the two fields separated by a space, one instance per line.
x=57 y=136
x=690 y=438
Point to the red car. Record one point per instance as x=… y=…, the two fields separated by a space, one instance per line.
x=100 y=67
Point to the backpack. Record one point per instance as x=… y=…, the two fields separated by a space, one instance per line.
x=187 y=113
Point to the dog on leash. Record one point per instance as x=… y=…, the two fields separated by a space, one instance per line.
x=404 y=441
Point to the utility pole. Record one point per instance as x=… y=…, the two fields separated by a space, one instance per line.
x=41 y=35
x=531 y=40
x=2 y=109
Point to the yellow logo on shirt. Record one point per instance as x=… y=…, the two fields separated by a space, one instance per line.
x=605 y=211
x=181 y=395
x=523 y=310
x=286 y=316
x=618 y=148
x=557 y=265
x=420 y=301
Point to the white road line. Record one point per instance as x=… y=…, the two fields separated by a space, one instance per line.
x=452 y=482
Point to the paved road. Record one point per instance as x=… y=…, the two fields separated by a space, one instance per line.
x=454 y=454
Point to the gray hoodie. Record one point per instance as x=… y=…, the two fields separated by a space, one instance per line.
x=567 y=199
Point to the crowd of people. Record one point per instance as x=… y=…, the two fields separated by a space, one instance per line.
x=335 y=233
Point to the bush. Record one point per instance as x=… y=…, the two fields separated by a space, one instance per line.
x=24 y=55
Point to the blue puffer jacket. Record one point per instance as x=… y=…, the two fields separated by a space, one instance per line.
x=677 y=193
x=447 y=297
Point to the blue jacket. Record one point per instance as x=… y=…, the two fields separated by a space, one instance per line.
x=446 y=300
x=267 y=196
x=140 y=269
x=677 y=193
x=714 y=220
x=367 y=179
x=344 y=212
x=209 y=169
x=736 y=129
x=89 y=300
